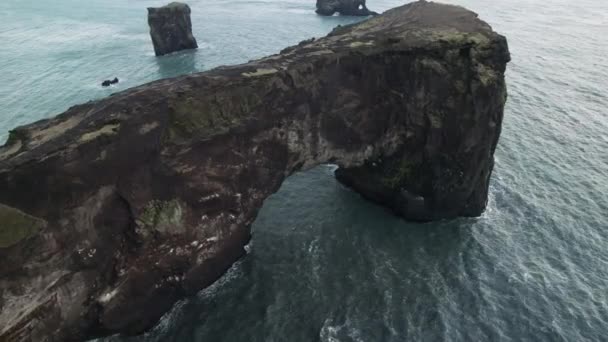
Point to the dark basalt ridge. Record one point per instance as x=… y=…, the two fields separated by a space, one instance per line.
x=117 y=208
x=171 y=28
x=343 y=7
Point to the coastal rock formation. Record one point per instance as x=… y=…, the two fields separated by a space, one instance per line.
x=108 y=83
x=344 y=7
x=117 y=208
x=171 y=28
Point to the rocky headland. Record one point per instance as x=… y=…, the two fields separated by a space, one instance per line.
x=117 y=208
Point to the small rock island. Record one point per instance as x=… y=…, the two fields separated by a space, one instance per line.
x=108 y=83
x=171 y=28
x=343 y=7
x=116 y=209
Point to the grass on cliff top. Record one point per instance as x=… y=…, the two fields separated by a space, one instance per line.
x=16 y=226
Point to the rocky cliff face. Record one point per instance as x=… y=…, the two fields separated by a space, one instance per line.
x=344 y=7
x=115 y=209
x=171 y=28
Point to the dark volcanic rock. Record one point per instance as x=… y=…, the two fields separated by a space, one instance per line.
x=115 y=209
x=108 y=83
x=171 y=28
x=344 y=7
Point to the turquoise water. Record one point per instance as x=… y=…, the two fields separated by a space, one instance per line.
x=326 y=265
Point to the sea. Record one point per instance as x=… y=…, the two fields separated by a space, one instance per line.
x=326 y=265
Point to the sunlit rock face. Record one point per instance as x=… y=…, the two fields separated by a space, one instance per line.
x=118 y=208
x=171 y=28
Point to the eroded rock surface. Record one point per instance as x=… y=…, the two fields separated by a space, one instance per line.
x=115 y=209
x=171 y=28
x=343 y=7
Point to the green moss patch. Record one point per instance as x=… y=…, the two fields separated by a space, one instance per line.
x=399 y=174
x=210 y=116
x=162 y=215
x=16 y=226
x=457 y=37
x=260 y=72
x=486 y=75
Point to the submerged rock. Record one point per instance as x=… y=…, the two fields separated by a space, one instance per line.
x=344 y=7
x=171 y=28
x=120 y=207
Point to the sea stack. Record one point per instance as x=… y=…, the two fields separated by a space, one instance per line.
x=118 y=208
x=171 y=28
x=343 y=7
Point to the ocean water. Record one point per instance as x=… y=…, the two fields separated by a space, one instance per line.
x=326 y=265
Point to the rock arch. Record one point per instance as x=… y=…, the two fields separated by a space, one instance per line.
x=117 y=208
x=343 y=7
